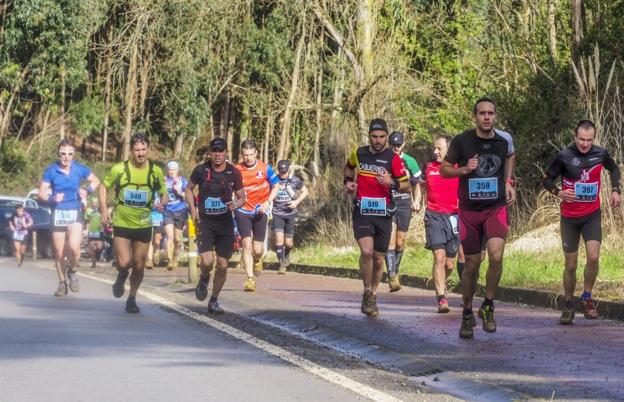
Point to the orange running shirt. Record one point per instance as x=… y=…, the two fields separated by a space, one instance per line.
x=257 y=182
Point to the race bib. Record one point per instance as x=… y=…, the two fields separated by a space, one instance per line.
x=586 y=192
x=157 y=219
x=17 y=236
x=135 y=198
x=63 y=217
x=373 y=206
x=94 y=235
x=214 y=206
x=453 y=220
x=483 y=188
x=282 y=196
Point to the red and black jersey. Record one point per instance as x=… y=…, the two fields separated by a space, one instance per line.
x=581 y=173
x=367 y=165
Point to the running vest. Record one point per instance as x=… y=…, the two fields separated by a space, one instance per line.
x=152 y=184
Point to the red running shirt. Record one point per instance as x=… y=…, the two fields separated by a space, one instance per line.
x=368 y=164
x=441 y=192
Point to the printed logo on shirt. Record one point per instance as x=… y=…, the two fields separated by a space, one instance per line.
x=488 y=165
x=381 y=161
x=259 y=174
x=576 y=161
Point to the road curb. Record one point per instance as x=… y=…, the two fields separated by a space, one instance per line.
x=533 y=297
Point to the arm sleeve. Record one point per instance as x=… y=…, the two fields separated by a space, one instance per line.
x=398 y=169
x=298 y=183
x=196 y=175
x=271 y=176
x=551 y=174
x=452 y=156
x=614 y=171
x=352 y=162
x=237 y=178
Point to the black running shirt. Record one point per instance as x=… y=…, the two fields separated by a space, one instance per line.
x=216 y=188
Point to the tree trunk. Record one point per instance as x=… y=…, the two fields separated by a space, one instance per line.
x=224 y=125
x=282 y=152
x=316 y=161
x=129 y=100
x=245 y=128
x=366 y=28
x=270 y=122
x=552 y=30
x=62 y=117
x=577 y=29
x=145 y=67
x=179 y=144
x=107 y=93
x=6 y=112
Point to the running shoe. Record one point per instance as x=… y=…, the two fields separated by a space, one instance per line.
x=393 y=283
x=282 y=269
x=486 y=313
x=119 y=286
x=201 y=290
x=172 y=264
x=74 y=284
x=567 y=317
x=257 y=268
x=443 y=306
x=215 y=308
x=149 y=264
x=466 y=330
x=92 y=264
x=369 y=304
x=131 y=305
x=589 y=310
x=61 y=290
x=250 y=285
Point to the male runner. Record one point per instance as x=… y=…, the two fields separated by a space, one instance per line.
x=134 y=182
x=580 y=166
x=93 y=218
x=175 y=214
x=19 y=223
x=218 y=182
x=406 y=203
x=290 y=194
x=482 y=158
x=370 y=174
x=59 y=188
x=441 y=221
x=259 y=181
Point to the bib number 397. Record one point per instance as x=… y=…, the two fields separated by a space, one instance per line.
x=373 y=206
x=586 y=192
x=483 y=188
x=135 y=198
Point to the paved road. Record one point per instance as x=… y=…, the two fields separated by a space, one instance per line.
x=86 y=348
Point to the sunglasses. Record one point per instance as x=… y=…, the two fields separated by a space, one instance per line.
x=217 y=149
x=66 y=153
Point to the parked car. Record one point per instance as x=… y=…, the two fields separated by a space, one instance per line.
x=41 y=225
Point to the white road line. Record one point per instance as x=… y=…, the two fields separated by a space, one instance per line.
x=313 y=368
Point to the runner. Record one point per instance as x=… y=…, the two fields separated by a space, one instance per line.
x=290 y=194
x=441 y=230
x=154 y=252
x=94 y=230
x=60 y=188
x=19 y=223
x=371 y=173
x=259 y=181
x=483 y=159
x=580 y=166
x=406 y=203
x=175 y=214
x=218 y=181
x=134 y=182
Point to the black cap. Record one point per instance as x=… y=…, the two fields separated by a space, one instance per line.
x=378 y=124
x=283 y=166
x=218 y=142
x=396 y=138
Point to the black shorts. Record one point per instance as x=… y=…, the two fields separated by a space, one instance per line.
x=285 y=223
x=143 y=235
x=63 y=228
x=442 y=233
x=251 y=224
x=377 y=227
x=157 y=229
x=217 y=235
x=403 y=215
x=177 y=218
x=572 y=228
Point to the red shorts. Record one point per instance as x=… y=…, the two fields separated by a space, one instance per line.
x=477 y=226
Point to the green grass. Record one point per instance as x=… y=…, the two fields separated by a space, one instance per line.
x=520 y=269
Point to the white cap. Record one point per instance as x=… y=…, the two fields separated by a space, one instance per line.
x=173 y=165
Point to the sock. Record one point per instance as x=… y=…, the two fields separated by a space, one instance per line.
x=441 y=297
x=287 y=252
x=213 y=299
x=279 y=250
x=586 y=295
x=399 y=255
x=467 y=311
x=570 y=304
x=488 y=302
x=460 y=269
x=390 y=261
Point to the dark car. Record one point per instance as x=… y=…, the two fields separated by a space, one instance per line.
x=41 y=225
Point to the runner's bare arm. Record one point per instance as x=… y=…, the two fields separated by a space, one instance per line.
x=510 y=191
x=349 y=179
x=448 y=170
x=102 y=194
x=615 y=175
x=302 y=195
x=94 y=182
x=416 y=197
x=190 y=199
x=241 y=198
